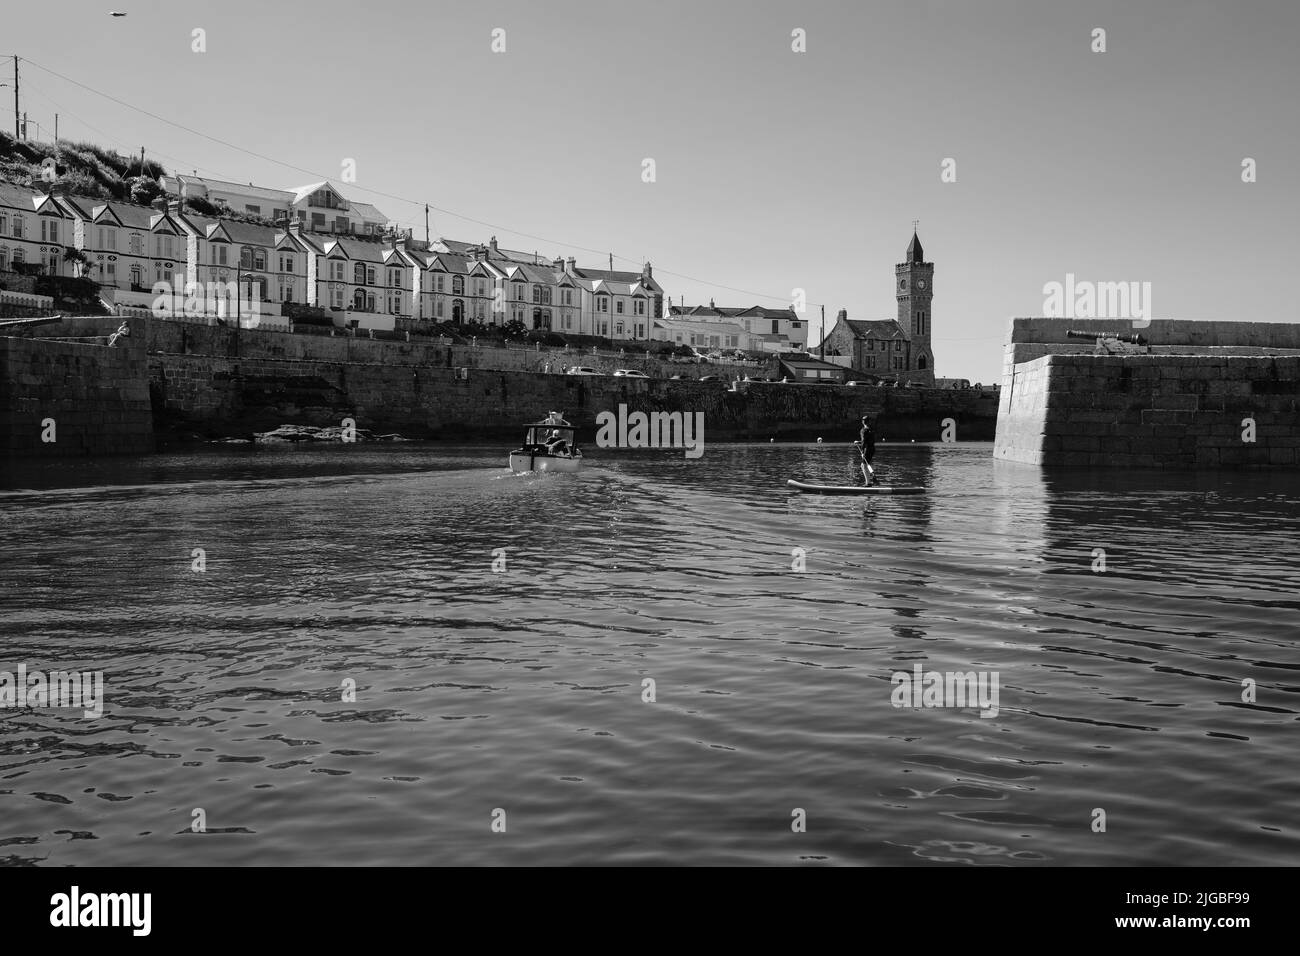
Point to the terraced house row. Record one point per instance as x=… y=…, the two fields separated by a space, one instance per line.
x=366 y=277
x=326 y=251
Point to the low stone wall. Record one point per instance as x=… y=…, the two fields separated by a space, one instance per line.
x=207 y=382
x=211 y=397
x=203 y=337
x=90 y=399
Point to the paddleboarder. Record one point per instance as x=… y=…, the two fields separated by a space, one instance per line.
x=866 y=445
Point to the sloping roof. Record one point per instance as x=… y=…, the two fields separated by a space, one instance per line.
x=876 y=329
x=245 y=232
x=172 y=184
x=19 y=197
x=359 y=250
x=368 y=212
x=131 y=216
x=700 y=328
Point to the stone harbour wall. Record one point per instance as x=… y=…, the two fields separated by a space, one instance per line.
x=91 y=399
x=1225 y=395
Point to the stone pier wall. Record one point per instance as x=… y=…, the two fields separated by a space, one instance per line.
x=1210 y=395
x=92 y=399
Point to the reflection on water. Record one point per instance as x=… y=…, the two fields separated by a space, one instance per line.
x=1120 y=689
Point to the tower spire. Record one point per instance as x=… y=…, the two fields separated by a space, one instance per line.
x=914 y=251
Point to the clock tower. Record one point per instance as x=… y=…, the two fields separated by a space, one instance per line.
x=914 y=287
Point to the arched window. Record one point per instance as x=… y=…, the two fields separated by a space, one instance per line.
x=457 y=309
x=458 y=286
x=359 y=273
x=920 y=363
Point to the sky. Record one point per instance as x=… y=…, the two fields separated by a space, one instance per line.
x=774 y=170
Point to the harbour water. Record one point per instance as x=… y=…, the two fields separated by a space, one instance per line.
x=522 y=690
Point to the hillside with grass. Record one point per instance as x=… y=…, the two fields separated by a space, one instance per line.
x=84 y=169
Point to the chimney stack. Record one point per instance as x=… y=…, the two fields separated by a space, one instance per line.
x=493 y=251
x=842 y=315
x=571 y=266
x=159 y=203
x=558 y=265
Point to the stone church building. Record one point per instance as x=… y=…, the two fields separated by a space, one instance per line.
x=897 y=348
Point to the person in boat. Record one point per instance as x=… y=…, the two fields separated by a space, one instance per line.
x=555 y=443
x=866 y=445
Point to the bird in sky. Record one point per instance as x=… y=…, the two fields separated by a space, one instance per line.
x=114 y=13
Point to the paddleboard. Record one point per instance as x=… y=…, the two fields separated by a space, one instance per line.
x=855 y=489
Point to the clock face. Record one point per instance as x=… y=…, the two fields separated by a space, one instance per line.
x=920 y=283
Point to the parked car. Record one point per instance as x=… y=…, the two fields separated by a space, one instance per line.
x=629 y=373
x=681 y=378
x=856 y=384
x=887 y=383
x=710 y=378
x=582 y=370
x=914 y=385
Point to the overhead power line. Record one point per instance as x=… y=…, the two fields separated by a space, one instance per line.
x=403 y=199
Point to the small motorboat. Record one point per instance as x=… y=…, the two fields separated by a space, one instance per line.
x=548 y=446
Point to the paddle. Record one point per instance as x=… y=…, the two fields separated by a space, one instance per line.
x=866 y=465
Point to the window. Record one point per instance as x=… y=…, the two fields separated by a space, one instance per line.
x=618 y=328
x=640 y=306
x=4 y=222
x=259 y=260
x=359 y=273
x=49 y=230
x=219 y=254
x=437 y=284
x=479 y=287
x=520 y=289
x=457 y=285
x=338 y=297
x=796 y=324
x=568 y=297
x=437 y=308
x=776 y=326
x=602 y=304
x=340 y=223
x=4 y=258
x=255 y=210
x=286 y=263
x=370 y=275
x=898 y=345
x=920 y=362
x=18 y=226
x=537 y=294
x=546 y=296
x=618 y=306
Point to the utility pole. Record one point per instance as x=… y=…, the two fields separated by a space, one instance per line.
x=56 y=127
x=823 y=333
x=141 y=160
x=426 y=224
x=16 y=96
